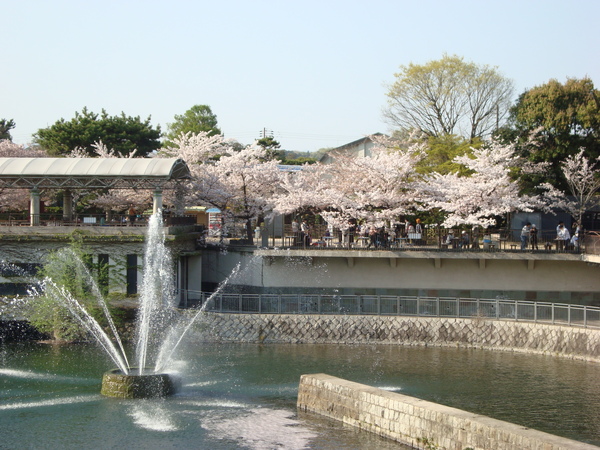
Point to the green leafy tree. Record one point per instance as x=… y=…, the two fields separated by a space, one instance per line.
x=69 y=274
x=449 y=96
x=5 y=127
x=441 y=152
x=553 y=121
x=271 y=147
x=123 y=134
x=199 y=118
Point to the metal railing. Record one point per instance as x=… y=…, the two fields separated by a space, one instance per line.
x=392 y=305
x=434 y=238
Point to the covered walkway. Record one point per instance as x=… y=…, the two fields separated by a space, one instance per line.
x=68 y=174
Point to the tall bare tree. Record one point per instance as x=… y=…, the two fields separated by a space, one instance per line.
x=449 y=96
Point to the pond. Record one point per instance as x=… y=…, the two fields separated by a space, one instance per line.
x=244 y=395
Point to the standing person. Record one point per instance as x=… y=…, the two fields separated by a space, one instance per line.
x=475 y=243
x=295 y=230
x=533 y=237
x=563 y=237
x=372 y=237
x=351 y=232
x=576 y=236
x=132 y=213
x=419 y=231
x=525 y=233
x=304 y=233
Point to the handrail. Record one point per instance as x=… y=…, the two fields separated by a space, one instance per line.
x=391 y=305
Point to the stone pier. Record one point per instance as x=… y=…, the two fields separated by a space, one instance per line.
x=418 y=422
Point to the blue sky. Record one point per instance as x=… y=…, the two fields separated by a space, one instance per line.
x=312 y=72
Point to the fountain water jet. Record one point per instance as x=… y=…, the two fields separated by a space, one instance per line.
x=155 y=322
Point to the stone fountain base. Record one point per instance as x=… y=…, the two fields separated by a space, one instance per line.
x=117 y=384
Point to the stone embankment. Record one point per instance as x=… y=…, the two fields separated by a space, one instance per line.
x=414 y=421
x=484 y=333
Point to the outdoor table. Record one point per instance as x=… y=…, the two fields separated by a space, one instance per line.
x=362 y=240
x=401 y=242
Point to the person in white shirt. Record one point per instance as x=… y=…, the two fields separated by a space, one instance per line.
x=563 y=237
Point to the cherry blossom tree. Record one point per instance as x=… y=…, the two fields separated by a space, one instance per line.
x=379 y=188
x=582 y=176
x=113 y=200
x=240 y=183
x=16 y=199
x=487 y=192
x=372 y=190
x=303 y=190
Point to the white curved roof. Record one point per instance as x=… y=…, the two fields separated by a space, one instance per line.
x=120 y=167
x=90 y=172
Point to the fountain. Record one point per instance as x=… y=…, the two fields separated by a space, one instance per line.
x=115 y=383
x=156 y=323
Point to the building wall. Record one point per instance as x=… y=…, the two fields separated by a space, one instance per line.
x=558 y=278
x=30 y=245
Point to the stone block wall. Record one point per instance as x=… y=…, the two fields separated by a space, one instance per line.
x=485 y=333
x=410 y=420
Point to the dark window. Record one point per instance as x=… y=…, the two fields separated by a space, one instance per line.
x=132 y=271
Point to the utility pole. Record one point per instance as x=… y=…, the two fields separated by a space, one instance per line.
x=264 y=131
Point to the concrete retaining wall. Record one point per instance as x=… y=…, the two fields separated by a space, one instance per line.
x=579 y=343
x=407 y=419
x=540 y=276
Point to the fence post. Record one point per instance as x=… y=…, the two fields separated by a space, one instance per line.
x=240 y=304
x=569 y=314
x=379 y=305
x=552 y=309
x=260 y=303
x=516 y=310
x=418 y=306
x=584 y=316
x=437 y=307
x=535 y=307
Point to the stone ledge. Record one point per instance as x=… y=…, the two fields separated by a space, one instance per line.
x=407 y=419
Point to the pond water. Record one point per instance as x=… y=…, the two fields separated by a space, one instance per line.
x=244 y=395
